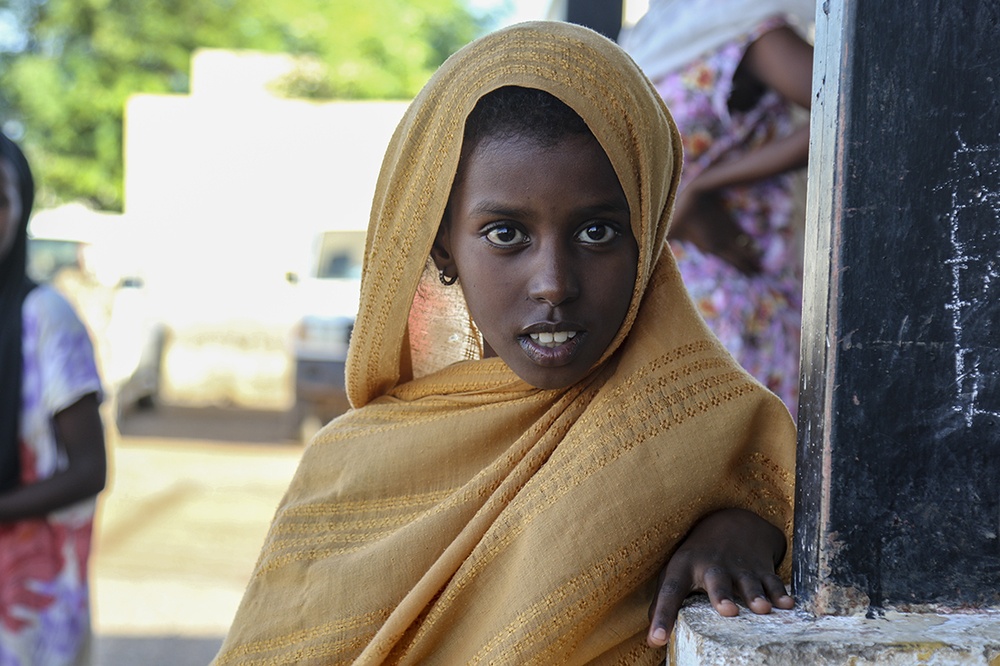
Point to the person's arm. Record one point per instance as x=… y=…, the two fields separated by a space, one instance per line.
x=782 y=61
x=729 y=553
x=774 y=157
x=80 y=434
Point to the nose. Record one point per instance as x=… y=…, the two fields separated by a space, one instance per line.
x=553 y=280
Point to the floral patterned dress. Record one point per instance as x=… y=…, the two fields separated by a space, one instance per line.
x=757 y=318
x=44 y=607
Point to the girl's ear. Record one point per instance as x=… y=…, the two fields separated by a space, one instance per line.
x=441 y=251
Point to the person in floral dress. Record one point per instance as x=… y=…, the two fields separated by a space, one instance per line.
x=732 y=72
x=52 y=457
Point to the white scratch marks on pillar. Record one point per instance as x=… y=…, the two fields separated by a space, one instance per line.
x=975 y=189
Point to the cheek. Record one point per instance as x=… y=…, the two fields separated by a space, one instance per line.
x=486 y=296
x=10 y=218
x=7 y=232
x=615 y=300
x=615 y=293
x=481 y=273
x=491 y=296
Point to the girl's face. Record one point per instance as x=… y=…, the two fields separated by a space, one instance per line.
x=541 y=242
x=10 y=207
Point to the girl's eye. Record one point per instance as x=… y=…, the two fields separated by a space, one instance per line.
x=598 y=233
x=505 y=235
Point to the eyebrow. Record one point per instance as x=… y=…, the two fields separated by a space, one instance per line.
x=491 y=207
x=497 y=208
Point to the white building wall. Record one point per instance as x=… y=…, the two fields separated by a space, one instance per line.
x=231 y=185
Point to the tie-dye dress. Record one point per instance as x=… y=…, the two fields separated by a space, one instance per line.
x=757 y=318
x=44 y=599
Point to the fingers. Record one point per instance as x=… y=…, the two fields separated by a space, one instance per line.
x=718 y=584
x=776 y=592
x=751 y=590
x=666 y=605
x=761 y=594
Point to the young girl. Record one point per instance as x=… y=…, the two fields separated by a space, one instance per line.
x=541 y=417
x=52 y=458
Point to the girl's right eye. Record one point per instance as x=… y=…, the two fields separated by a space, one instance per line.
x=505 y=235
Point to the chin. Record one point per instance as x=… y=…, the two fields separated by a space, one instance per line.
x=551 y=379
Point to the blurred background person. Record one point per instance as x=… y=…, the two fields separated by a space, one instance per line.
x=733 y=73
x=52 y=456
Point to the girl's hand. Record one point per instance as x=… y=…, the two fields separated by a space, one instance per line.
x=701 y=219
x=732 y=552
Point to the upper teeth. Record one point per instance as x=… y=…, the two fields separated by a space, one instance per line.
x=556 y=338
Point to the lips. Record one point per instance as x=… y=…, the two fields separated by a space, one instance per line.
x=551 y=345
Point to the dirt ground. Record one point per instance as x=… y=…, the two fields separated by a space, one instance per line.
x=191 y=492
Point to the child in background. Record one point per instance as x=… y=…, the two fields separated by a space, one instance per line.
x=52 y=457
x=541 y=419
x=733 y=73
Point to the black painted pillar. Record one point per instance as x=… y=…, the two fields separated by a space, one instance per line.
x=603 y=16
x=898 y=483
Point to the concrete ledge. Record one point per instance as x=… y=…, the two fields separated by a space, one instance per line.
x=795 y=637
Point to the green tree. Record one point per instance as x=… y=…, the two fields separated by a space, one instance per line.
x=68 y=66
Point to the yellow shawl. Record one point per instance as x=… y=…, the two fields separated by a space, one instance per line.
x=460 y=516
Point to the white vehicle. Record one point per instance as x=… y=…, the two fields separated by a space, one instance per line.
x=328 y=304
x=88 y=257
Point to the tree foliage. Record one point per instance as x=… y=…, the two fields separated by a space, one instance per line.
x=64 y=83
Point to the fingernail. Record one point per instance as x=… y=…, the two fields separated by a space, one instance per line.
x=660 y=635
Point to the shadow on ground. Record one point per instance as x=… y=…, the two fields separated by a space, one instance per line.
x=154 y=650
x=231 y=424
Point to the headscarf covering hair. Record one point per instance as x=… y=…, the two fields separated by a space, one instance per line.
x=637 y=143
x=459 y=515
x=673 y=33
x=14 y=286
